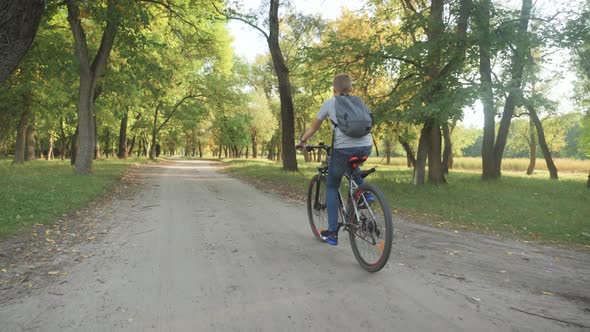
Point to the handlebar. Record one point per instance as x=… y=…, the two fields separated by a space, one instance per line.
x=320 y=146
x=323 y=146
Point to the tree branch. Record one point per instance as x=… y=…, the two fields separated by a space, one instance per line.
x=80 y=43
x=406 y=60
x=238 y=18
x=462 y=22
x=169 y=6
x=174 y=110
x=108 y=39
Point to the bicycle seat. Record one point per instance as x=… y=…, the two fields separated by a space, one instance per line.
x=356 y=161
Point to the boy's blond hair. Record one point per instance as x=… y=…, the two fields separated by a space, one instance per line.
x=343 y=83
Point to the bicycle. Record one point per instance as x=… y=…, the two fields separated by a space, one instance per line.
x=369 y=223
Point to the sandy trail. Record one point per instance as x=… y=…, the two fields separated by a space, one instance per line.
x=196 y=250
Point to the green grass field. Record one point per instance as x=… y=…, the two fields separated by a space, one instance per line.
x=40 y=191
x=526 y=207
x=511 y=164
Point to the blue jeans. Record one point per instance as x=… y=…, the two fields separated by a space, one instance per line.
x=338 y=165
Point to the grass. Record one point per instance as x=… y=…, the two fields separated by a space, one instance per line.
x=526 y=207
x=40 y=191
x=515 y=164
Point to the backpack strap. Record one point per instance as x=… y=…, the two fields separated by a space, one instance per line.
x=334 y=123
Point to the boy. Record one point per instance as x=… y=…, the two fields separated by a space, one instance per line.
x=344 y=148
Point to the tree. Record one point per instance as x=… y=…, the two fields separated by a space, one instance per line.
x=284 y=82
x=89 y=76
x=492 y=162
x=19 y=21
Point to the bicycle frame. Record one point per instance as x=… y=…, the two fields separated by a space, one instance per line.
x=352 y=187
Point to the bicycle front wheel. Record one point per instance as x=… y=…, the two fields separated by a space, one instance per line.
x=316 y=205
x=371 y=234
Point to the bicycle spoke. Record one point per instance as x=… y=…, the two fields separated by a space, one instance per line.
x=371 y=239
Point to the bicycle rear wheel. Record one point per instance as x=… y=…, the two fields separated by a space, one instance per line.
x=316 y=205
x=371 y=235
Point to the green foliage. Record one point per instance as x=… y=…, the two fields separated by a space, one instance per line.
x=464 y=138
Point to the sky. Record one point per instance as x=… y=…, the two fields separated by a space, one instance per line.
x=248 y=43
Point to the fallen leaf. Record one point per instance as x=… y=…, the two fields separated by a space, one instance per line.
x=53 y=273
x=547 y=293
x=4 y=270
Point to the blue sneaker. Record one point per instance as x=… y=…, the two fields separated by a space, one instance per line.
x=368 y=197
x=330 y=237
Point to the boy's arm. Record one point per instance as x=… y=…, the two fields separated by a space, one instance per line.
x=315 y=126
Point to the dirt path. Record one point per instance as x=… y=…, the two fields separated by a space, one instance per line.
x=196 y=250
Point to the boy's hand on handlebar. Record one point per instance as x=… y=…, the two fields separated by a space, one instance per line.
x=300 y=146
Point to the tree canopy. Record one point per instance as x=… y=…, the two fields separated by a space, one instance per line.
x=122 y=78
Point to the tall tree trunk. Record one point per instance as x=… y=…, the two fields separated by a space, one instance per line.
x=375 y=145
x=50 y=151
x=89 y=74
x=271 y=148
x=139 y=146
x=436 y=73
x=422 y=155
x=435 y=32
x=200 y=148
x=155 y=131
x=426 y=149
x=96 y=139
x=122 y=154
x=287 y=110
x=146 y=145
x=411 y=160
x=486 y=92
x=388 y=146
x=75 y=142
x=19 y=21
x=63 y=138
x=543 y=143
x=435 y=167
x=107 y=143
x=21 y=135
x=448 y=148
x=30 y=140
x=532 y=147
x=253 y=136
x=131 y=146
x=515 y=94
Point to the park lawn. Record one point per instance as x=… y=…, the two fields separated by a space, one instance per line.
x=40 y=191
x=531 y=208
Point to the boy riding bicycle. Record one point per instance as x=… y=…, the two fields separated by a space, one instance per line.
x=350 y=139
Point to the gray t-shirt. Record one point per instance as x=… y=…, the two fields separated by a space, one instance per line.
x=341 y=141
